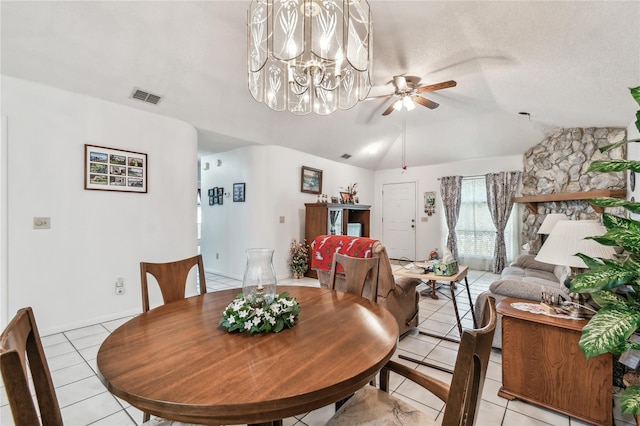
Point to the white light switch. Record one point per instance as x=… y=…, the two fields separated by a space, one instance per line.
x=41 y=223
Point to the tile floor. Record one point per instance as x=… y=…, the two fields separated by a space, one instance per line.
x=85 y=401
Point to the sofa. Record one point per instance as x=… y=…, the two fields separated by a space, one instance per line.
x=526 y=278
x=397 y=295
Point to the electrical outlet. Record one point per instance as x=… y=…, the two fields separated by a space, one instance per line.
x=424 y=219
x=120 y=286
x=281 y=219
x=41 y=223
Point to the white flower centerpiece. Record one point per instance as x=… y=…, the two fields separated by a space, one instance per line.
x=260 y=316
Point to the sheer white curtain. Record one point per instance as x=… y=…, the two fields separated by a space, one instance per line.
x=475 y=229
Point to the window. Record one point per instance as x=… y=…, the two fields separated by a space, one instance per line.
x=475 y=229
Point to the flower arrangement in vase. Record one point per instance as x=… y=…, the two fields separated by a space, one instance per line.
x=298 y=258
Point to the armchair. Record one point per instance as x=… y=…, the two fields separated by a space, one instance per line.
x=398 y=296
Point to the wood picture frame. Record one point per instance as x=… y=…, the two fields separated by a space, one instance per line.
x=310 y=180
x=238 y=192
x=110 y=169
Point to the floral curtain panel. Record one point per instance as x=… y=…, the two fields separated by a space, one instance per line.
x=450 y=191
x=501 y=188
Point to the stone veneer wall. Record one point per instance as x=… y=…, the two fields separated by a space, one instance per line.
x=559 y=164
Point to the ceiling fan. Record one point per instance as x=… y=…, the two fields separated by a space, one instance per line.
x=408 y=89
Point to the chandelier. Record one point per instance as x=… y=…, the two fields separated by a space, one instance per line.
x=309 y=55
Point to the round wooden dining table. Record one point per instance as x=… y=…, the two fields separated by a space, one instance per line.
x=176 y=362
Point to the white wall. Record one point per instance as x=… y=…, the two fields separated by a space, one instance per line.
x=67 y=273
x=272 y=177
x=429 y=234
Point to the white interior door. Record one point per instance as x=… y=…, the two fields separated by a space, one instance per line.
x=399 y=220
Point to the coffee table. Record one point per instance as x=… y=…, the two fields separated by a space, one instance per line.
x=432 y=279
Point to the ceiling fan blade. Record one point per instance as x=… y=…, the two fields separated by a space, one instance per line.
x=425 y=102
x=389 y=110
x=437 y=86
x=400 y=82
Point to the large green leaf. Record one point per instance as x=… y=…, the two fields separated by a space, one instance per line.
x=625 y=238
x=589 y=261
x=607 y=166
x=612 y=221
x=608 y=298
x=630 y=400
x=608 y=329
x=603 y=278
x=616 y=202
x=617 y=144
x=635 y=92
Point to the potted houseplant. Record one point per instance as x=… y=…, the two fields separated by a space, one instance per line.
x=298 y=258
x=614 y=284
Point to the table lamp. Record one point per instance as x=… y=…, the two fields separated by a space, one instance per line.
x=549 y=222
x=568 y=238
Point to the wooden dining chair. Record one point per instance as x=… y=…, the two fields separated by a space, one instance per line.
x=20 y=345
x=357 y=272
x=373 y=406
x=172 y=279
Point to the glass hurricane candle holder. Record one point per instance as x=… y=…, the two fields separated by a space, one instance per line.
x=259 y=281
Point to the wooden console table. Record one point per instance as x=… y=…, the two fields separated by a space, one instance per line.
x=543 y=364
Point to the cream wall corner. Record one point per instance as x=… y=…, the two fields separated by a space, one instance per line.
x=68 y=273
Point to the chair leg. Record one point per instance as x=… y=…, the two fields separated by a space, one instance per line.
x=145 y=417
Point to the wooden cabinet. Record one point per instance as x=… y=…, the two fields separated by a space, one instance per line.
x=543 y=364
x=334 y=219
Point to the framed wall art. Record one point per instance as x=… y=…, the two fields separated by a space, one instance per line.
x=311 y=180
x=110 y=169
x=238 y=192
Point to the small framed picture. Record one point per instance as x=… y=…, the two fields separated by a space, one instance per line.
x=311 y=180
x=211 y=200
x=110 y=169
x=210 y=192
x=238 y=192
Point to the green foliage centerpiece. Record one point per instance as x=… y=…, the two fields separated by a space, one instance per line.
x=615 y=284
x=259 y=316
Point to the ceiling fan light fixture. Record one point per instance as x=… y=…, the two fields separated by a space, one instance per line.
x=408 y=103
x=309 y=55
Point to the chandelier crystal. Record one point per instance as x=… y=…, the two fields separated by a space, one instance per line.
x=309 y=55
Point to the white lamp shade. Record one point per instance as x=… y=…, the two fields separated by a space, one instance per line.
x=568 y=238
x=550 y=221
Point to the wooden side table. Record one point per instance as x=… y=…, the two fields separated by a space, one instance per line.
x=543 y=364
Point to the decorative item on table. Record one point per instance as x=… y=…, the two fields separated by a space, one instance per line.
x=447 y=265
x=259 y=281
x=549 y=302
x=351 y=190
x=429 y=203
x=433 y=254
x=298 y=258
x=258 y=317
x=335 y=200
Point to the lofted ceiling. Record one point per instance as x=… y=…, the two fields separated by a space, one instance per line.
x=568 y=64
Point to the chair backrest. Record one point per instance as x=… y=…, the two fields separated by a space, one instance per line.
x=20 y=345
x=356 y=270
x=470 y=370
x=172 y=279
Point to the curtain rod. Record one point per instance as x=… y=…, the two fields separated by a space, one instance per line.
x=470 y=176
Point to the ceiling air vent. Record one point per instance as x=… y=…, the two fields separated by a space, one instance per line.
x=346 y=156
x=143 y=96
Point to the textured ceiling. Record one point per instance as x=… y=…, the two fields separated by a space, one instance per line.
x=567 y=63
